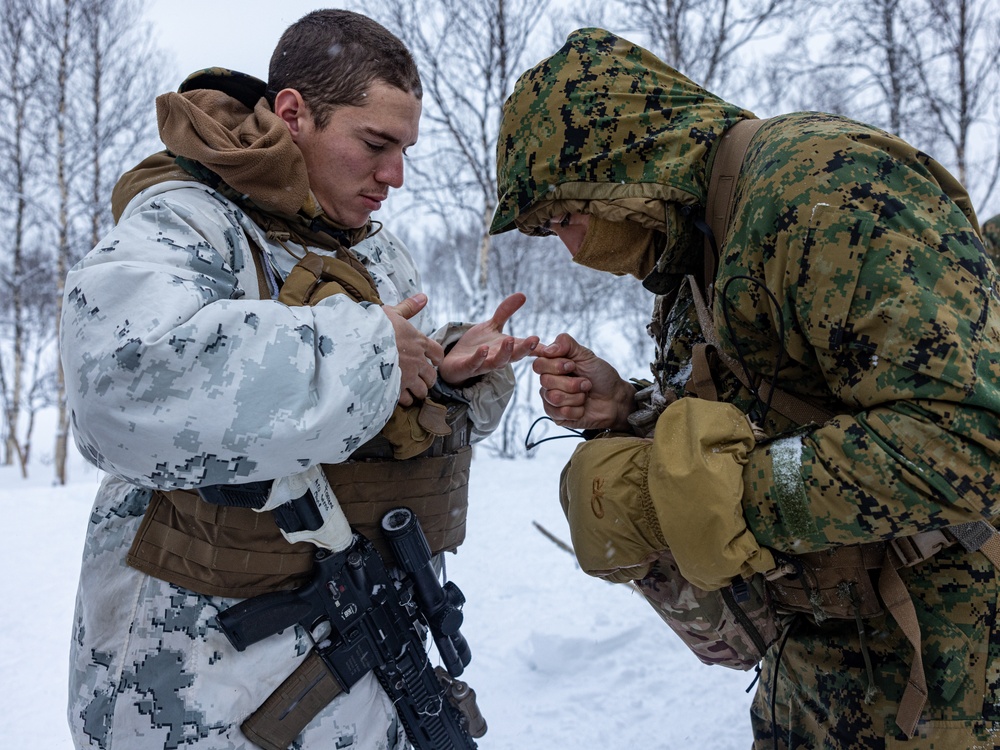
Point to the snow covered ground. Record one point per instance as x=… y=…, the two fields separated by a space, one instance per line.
x=559 y=660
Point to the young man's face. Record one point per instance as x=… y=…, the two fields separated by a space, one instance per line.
x=355 y=159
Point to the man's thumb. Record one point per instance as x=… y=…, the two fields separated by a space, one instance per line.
x=411 y=305
x=572 y=349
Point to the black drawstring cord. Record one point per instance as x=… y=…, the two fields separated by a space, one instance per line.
x=529 y=445
x=726 y=307
x=702 y=226
x=688 y=211
x=706 y=230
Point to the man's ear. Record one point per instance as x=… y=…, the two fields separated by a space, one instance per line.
x=290 y=107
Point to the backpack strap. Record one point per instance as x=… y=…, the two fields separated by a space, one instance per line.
x=721 y=195
x=794 y=408
x=719 y=204
x=975 y=536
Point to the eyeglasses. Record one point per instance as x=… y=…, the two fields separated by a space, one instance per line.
x=545 y=228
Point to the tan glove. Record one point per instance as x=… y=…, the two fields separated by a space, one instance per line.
x=696 y=480
x=411 y=429
x=627 y=499
x=612 y=522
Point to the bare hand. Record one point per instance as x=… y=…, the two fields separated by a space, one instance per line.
x=579 y=389
x=419 y=355
x=485 y=347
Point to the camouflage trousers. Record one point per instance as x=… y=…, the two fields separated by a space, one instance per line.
x=829 y=686
x=149 y=667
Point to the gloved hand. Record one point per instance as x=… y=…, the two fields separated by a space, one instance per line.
x=612 y=521
x=627 y=499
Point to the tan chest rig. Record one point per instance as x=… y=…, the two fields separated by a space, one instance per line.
x=420 y=459
x=852 y=582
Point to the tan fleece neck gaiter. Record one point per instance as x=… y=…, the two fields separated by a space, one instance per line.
x=618 y=247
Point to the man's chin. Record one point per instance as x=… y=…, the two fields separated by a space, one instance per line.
x=352 y=222
x=359 y=218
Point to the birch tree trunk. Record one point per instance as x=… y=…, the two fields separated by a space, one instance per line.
x=20 y=72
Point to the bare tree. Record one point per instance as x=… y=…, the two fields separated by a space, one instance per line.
x=57 y=23
x=100 y=100
x=597 y=308
x=926 y=70
x=21 y=69
x=121 y=74
x=709 y=41
x=469 y=53
x=856 y=59
x=959 y=85
x=77 y=82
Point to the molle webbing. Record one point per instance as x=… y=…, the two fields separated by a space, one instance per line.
x=434 y=488
x=238 y=552
x=216 y=549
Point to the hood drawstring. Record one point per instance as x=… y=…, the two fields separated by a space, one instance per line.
x=282 y=238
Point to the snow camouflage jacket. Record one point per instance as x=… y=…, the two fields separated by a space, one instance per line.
x=142 y=362
x=853 y=275
x=180 y=376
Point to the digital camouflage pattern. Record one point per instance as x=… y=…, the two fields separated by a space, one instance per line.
x=991 y=237
x=853 y=276
x=149 y=667
x=605 y=112
x=147 y=659
x=180 y=375
x=188 y=270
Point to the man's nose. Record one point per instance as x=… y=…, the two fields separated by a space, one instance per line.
x=390 y=171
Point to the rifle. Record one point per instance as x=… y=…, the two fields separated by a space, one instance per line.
x=363 y=620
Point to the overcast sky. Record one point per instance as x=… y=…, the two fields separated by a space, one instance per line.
x=237 y=35
x=241 y=34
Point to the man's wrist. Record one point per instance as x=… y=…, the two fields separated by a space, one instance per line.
x=626 y=405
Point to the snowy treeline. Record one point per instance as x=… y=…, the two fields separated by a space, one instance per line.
x=78 y=78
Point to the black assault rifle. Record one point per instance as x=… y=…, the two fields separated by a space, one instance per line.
x=361 y=622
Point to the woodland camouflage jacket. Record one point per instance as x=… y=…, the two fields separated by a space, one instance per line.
x=852 y=275
x=883 y=305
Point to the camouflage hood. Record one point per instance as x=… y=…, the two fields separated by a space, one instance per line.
x=991 y=237
x=604 y=120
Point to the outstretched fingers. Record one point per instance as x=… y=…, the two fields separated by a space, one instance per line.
x=506 y=309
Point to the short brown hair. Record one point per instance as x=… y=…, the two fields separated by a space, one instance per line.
x=332 y=57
